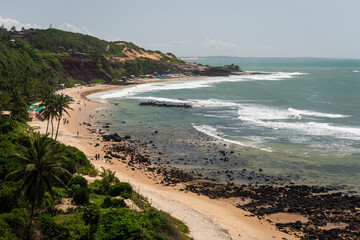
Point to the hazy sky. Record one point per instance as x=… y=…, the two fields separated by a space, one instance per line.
x=251 y=28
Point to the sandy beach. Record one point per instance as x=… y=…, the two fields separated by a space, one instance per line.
x=206 y=218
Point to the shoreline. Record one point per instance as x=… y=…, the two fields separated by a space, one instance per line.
x=206 y=218
x=211 y=210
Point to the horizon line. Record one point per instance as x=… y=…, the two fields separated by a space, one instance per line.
x=220 y=56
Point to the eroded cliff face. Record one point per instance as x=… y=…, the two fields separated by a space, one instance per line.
x=83 y=69
x=89 y=70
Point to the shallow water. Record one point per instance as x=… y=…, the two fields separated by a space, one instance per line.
x=299 y=122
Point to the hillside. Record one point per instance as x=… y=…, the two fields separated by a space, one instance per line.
x=35 y=60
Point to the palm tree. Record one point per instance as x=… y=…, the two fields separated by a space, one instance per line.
x=39 y=170
x=109 y=175
x=48 y=112
x=60 y=107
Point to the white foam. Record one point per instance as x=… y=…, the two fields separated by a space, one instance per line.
x=212 y=132
x=199 y=83
x=355 y=71
x=293 y=119
x=252 y=112
x=313 y=129
x=316 y=114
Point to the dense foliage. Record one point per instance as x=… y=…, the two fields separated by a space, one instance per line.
x=34 y=60
x=101 y=211
x=57 y=41
x=37 y=172
x=23 y=77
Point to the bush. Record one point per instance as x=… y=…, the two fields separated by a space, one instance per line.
x=7 y=198
x=91 y=216
x=58 y=193
x=6 y=231
x=120 y=224
x=76 y=155
x=51 y=229
x=95 y=186
x=81 y=195
x=78 y=180
x=16 y=221
x=121 y=189
x=113 y=202
x=69 y=165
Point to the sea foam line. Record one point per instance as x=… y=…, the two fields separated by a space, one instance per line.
x=212 y=132
x=251 y=112
x=199 y=83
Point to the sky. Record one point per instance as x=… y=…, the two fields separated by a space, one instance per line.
x=242 y=28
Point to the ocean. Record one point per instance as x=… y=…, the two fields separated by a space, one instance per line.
x=298 y=122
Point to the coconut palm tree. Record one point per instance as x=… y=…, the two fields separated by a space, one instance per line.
x=49 y=112
x=61 y=105
x=40 y=169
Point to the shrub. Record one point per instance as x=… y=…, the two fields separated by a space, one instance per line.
x=113 y=202
x=16 y=221
x=6 y=231
x=95 y=186
x=91 y=216
x=81 y=195
x=51 y=229
x=78 y=180
x=123 y=189
x=69 y=165
x=7 y=198
x=107 y=202
x=76 y=155
x=58 y=193
x=119 y=224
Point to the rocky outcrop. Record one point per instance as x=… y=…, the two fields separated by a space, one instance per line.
x=165 y=104
x=214 y=72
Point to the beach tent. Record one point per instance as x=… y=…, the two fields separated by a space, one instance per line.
x=39 y=108
x=30 y=108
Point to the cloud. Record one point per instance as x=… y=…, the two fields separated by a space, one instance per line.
x=9 y=23
x=72 y=28
x=221 y=44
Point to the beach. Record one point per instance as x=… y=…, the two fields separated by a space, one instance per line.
x=206 y=218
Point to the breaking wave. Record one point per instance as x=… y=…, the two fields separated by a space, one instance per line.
x=199 y=83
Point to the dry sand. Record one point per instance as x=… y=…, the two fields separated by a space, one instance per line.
x=206 y=218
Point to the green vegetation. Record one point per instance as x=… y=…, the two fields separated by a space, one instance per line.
x=37 y=173
x=40 y=166
x=58 y=41
x=35 y=61
x=231 y=68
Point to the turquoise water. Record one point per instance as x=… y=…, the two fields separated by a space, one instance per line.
x=300 y=120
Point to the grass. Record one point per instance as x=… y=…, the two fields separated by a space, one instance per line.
x=97 y=199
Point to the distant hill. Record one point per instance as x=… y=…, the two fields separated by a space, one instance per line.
x=33 y=60
x=79 y=57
